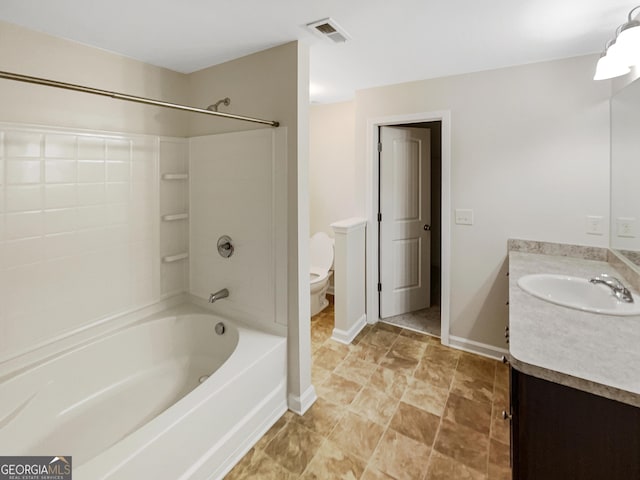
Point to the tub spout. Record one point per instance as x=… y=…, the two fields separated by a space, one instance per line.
x=224 y=293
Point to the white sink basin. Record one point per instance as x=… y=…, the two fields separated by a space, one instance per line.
x=577 y=293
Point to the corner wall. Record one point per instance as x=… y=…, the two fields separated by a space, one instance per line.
x=274 y=85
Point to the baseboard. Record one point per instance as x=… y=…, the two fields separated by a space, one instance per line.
x=478 y=348
x=300 y=404
x=347 y=337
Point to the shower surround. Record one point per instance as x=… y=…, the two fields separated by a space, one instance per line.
x=96 y=225
x=101 y=229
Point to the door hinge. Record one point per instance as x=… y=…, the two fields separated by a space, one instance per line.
x=379 y=217
x=379 y=147
x=379 y=287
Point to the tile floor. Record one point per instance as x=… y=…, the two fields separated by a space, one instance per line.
x=393 y=405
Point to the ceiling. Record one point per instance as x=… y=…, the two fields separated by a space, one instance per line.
x=391 y=41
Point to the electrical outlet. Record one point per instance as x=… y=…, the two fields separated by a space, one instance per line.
x=626 y=227
x=464 y=217
x=595 y=225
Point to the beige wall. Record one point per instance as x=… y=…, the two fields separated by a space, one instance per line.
x=530 y=156
x=261 y=85
x=332 y=173
x=32 y=53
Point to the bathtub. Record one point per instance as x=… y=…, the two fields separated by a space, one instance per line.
x=165 y=397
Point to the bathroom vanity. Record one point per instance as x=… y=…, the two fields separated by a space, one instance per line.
x=575 y=375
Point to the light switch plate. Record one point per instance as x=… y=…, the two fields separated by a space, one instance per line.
x=626 y=227
x=595 y=225
x=464 y=216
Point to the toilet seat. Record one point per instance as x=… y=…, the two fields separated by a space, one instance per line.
x=321 y=261
x=317 y=276
x=320 y=253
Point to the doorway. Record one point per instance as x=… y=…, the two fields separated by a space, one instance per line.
x=409 y=225
x=441 y=244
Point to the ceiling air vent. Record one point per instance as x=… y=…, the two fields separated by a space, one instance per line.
x=329 y=30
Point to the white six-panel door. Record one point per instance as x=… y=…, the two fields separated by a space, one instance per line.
x=405 y=205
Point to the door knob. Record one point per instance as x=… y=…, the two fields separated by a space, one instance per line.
x=427 y=228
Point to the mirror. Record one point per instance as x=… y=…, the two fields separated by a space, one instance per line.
x=625 y=172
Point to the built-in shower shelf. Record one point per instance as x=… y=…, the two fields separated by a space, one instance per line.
x=175 y=176
x=174 y=217
x=175 y=258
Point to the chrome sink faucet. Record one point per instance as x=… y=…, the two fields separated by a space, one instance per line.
x=621 y=292
x=224 y=293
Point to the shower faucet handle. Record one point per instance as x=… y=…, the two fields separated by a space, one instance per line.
x=225 y=247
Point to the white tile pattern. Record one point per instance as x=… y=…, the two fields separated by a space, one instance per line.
x=238 y=183
x=78 y=230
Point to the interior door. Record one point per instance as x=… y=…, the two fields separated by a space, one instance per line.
x=405 y=208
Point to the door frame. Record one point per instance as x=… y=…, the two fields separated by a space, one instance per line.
x=372 y=194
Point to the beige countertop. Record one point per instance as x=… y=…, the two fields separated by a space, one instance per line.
x=595 y=353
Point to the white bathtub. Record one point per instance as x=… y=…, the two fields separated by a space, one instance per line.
x=129 y=405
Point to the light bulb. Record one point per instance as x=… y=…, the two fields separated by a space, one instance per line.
x=609 y=67
x=628 y=43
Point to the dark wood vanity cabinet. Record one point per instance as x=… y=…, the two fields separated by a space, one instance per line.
x=561 y=433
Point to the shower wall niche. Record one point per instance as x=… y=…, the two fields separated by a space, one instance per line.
x=174 y=216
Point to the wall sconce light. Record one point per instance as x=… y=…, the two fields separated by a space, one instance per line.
x=621 y=52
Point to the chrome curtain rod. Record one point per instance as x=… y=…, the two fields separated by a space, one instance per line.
x=129 y=98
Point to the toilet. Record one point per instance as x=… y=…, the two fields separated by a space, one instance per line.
x=321 y=261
